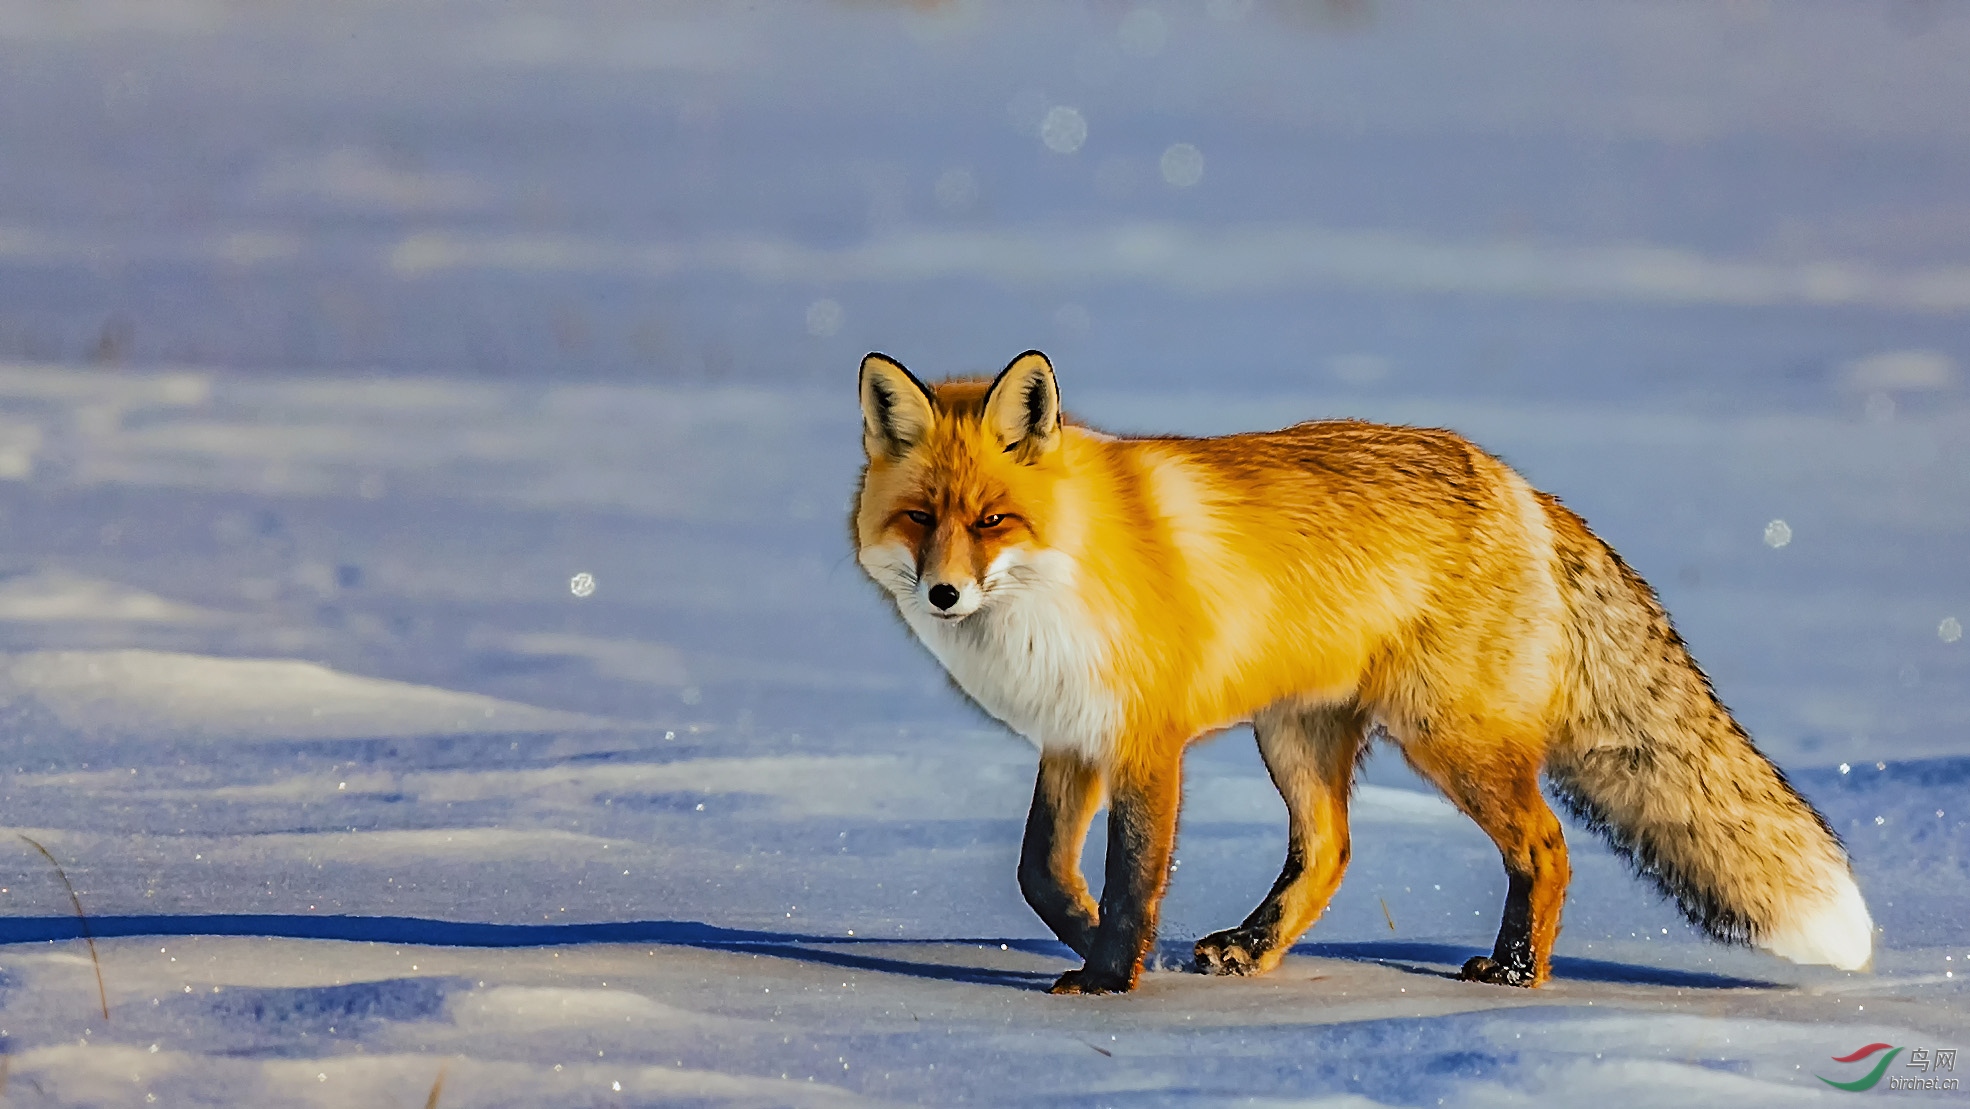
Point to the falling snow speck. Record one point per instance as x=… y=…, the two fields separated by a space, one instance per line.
x=1182 y=165
x=956 y=190
x=1777 y=534
x=1063 y=130
x=1950 y=630
x=582 y=584
x=824 y=318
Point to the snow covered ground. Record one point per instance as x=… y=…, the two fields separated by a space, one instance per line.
x=336 y=344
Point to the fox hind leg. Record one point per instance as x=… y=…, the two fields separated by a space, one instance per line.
x=1506 y=803
x=1311 y=755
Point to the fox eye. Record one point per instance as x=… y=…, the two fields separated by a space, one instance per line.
x=922 y=519
x=992 y=521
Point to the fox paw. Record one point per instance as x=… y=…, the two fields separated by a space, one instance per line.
x=1088 y=980
x=1480 y=968
x=1232 y=951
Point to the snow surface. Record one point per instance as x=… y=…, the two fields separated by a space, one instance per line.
x=336 y=342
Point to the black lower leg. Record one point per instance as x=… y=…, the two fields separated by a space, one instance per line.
x=1511 y=961
x=1049 y=869
x=1239 y=950
x=1132 y=887
x=1267 y=916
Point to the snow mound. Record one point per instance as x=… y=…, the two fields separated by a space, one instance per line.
x=58 y=596
x=138 y=691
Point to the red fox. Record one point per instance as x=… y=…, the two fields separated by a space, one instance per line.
x=1113 y=599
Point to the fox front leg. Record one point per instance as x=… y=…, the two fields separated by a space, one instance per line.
x=1065 y=797
x=1142 y=825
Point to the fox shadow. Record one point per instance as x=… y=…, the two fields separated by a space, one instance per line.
x=825 y=950
x=846 y=952
x=1431 y=958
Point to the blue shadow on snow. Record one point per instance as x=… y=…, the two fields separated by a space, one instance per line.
x=790 y=945
x=1573 y=967
x=450 y=933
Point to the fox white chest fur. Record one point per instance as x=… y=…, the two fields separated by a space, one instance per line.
x=1030 y=655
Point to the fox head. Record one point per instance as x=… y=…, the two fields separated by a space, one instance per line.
x=956 y=493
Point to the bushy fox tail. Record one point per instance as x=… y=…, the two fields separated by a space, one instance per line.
x=1649 y=758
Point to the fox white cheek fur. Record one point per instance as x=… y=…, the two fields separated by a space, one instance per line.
x=891 y=566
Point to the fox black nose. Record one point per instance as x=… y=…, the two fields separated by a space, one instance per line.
x=943 y=595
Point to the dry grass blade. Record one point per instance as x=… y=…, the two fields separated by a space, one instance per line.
x=437 y=1088
x=102 y=992
x=1385 y=912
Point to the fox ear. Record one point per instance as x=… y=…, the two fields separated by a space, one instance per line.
x=1023 y=406
x=896 y=409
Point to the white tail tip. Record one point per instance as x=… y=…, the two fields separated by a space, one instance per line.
x=1834 y=929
